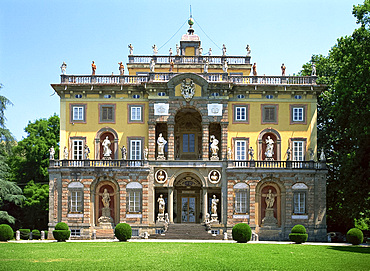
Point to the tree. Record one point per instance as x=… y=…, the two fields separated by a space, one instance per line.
x=30 y=159
x=343 y=123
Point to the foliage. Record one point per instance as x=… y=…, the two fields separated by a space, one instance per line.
x=36 y=234
x=298 y=229
x=180 y=256
x=343 y=124
x=35 y=210
x=241 y=233
x=10 y=196
x=6 y=232
x=61 y=235
x=61 y=226
x=25 y=234
x=123 y=231
x=30 y=159
x=355 y=236
x=298 y=234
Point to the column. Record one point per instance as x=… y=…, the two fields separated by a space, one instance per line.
x=151 y=141
x=205 y=141
x=171 y=141
x=170 y=204
x=205 y=203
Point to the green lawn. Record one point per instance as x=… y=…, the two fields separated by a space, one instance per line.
x=180 y=256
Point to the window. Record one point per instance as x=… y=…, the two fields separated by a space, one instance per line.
x=75 y=233
x=269 y=114
x=269 y=96
x=215 y=94
x=135 y=232
x=299 y=200
x=240 y=113
x=77 y=113
x=134 y=191
x=188 y=142
x=298 y=150
x=161 y=94
x=75 y=197
x=241 y=198
x=298 y=114
x=136 y=96
x=136 y=113
x=240 y=96
x=77 y=149
x=135 y=149
x=78 y=96
x=107 y=113
x=240 y=150
x=298 y=97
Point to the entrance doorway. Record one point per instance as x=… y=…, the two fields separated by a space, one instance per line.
x=188 y=209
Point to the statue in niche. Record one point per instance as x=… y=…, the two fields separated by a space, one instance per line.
x=124 y=152
x=161 y=204
x=269 y=148
x=131 y=49
x=270 y=199
x=177 y=50
x=214 y=146
x=52 y=153
x=210 y=51
x=313 y=73
x=65 y=153
x=251 y=153
x=161 y=144
x=225 y=66
x=63 y=68
x=283 y=68
x=206 y=64
x=106 y=147
x=152 y=65
x=254 y=69
x=155 y=49
x=214 y=205
x=224 y=50
x=121 y=68
x=93 y=68
x=105 y=198
x=170 y=51
x=86 y=152
x=248 y=50
x=146 y=152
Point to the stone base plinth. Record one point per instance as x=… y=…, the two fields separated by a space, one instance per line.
x=160 y=218
x=214 y=218
x=105 y=225
x=215 y=158
x=269 y=234
x=269 y=220
x=161 y=157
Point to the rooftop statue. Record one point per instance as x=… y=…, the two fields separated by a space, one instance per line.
x=170 y=51
x=63 y=68
x=121 y=68
x=131 y=49
x=206 y=64
x=210 y=51
x=177 y=50
x=200 y=51
x=52 y=153
x=172 y=65
x=93 y=68
x=224 y=50
x=248 y=50
x=283 y=68
x=152 y=65
x=155 y=49
x=313 y=73
x=254 y=69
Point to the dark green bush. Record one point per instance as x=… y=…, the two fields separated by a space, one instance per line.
x=25 y=234
x=355 y=236
x=46 y=234
x=36 y=235
x=6 y=232
x=123 y=231
x=298 y=234
x=61 y=235
x=241 y=233
x=61 y=226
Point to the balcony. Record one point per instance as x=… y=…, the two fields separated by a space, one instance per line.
x=166 y=59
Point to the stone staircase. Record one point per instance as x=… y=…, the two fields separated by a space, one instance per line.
x=104 y=234
x=187 y=231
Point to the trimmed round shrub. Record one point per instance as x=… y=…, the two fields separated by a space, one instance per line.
x=355 y=236
x=61 y=232
x=61 y=235
x=6 y=232
x=298 y=234
x=61 y=226
x=36 y=234
x=25 y=234
x=242 y=233
x=123 y=231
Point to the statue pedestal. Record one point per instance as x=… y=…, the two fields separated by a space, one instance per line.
x=107 y=158
x=105 y=221
x=214 y=158
x=160 y=218
x=214 y=218
x=269 y=220
x=161 y=157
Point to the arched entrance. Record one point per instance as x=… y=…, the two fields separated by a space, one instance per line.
x=188 y=134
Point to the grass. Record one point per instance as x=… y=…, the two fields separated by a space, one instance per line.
x=180 y=256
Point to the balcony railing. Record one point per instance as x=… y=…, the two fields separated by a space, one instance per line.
x=97 y=163
x=166 y=59
x=165 y=77
x=277 y=164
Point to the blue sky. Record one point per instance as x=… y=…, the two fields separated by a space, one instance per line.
x=37 y=36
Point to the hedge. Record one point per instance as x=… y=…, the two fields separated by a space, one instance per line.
x=242 y=233
x=123 y=231
x=6 y=232
x=355 y=236
x=25 y=234
x=36 y=234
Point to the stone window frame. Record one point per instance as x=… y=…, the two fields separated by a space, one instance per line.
x=130 y=120
x=263 y=113
x=291 y=143
x=241 y=187
x=246 y=139
x=142 y=140
x=71 y=144
x=78 y=188
x=299 y=189
x=291 y=109
x=107 y=105
x=72 y=107
x=247 y=110
x=134 y=187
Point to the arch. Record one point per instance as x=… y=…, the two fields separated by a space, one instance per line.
x=75 y=185
x=241 y=185
x=177 y=79
x=114 y=146
x=275 y=135
x=174 y=177
x=300 y=186
x=134 y=185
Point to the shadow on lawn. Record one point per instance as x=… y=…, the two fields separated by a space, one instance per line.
x=355 y=249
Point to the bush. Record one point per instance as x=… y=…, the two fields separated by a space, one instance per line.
x=36 y=234
x=6 y=232
x=242 y=233
x=46 y=234
x=61 y=235
x=298 y=234
x=123 y=231
x=61 y=232
x=355 y=236
x=25 y=234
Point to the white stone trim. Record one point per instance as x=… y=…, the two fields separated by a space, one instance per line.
x=299 y=216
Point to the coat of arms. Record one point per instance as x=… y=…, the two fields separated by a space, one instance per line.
x=187 y=89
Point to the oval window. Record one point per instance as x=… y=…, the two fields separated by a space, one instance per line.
x=298 y=97
x=215 y=94
x=107 y=96
x=241 y=96
x=136 y=96
x=78 y=96
x=269 y=96
x=162 y=94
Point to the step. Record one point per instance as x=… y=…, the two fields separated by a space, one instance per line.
x=187 y=231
